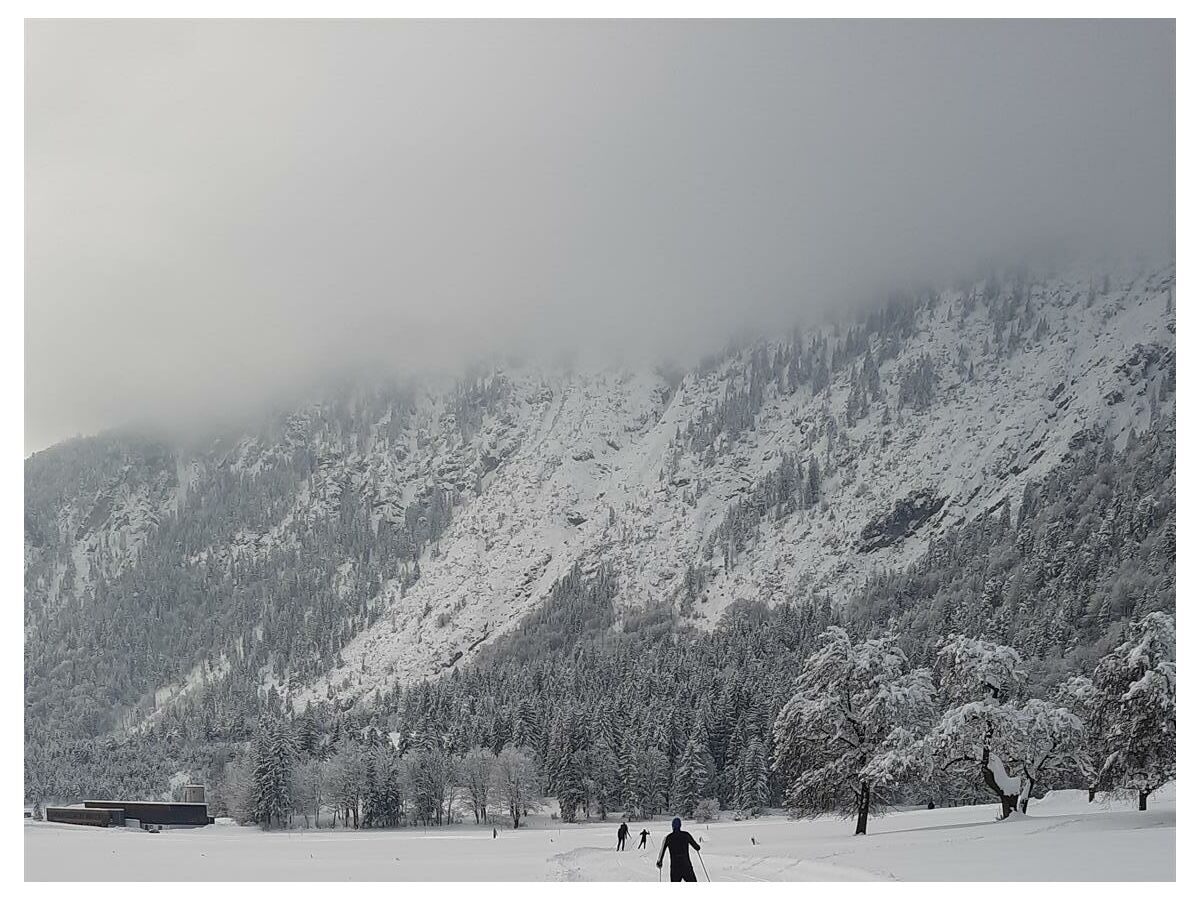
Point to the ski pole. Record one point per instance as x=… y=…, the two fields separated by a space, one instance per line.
x=702 y=865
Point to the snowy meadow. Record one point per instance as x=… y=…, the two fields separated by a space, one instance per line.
x=1063 y=837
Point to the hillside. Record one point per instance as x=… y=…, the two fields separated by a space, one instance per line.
x=385 y=534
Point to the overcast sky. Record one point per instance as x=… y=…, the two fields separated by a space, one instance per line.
x=217 y=211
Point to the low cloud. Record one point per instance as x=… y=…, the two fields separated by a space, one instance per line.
x=220 y=211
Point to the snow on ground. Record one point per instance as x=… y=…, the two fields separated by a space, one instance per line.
x=1062 y=838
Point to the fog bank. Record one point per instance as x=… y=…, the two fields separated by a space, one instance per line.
x=219 y=211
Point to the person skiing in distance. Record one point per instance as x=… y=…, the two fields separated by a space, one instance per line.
x=622 y=834
x=645 y=834
x=678 y=842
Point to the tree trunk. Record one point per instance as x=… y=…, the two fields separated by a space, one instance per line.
x=1142 y=795
x=864 y=806
x=1091 y=795
x=1008 y=802
x=1026 y=793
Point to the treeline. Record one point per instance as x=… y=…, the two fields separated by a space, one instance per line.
x=286 y=776
x=863 y=729
x=577 y=723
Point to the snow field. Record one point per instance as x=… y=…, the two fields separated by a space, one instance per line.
x=1063 y=838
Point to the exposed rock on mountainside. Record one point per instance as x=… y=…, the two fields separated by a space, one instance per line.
x=903 y=521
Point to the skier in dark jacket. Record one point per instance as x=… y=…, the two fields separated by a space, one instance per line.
x=645 y=834
x=677 y=842
x=622 y=833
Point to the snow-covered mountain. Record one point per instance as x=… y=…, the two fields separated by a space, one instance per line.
x=388 y=534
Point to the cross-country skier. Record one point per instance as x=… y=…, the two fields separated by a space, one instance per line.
x=645 y=834
x=622 y=833
x=678 y=842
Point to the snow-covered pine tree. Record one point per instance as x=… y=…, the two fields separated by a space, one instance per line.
x=632 y=797
x=527 y=728
x=654 y=773
x=849 y=700
x=690 y=781
x=381 y=798
x=558 y=752
x=274 y=756
x=606 y=775
x=753 y=789
x=572 y=785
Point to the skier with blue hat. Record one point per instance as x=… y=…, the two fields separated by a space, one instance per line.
x=678 y=842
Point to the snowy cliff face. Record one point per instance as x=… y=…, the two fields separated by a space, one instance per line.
x=88 y=512
x=605 y=473
x=438 y=517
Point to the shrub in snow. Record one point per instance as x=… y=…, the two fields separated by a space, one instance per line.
x=708 y=810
